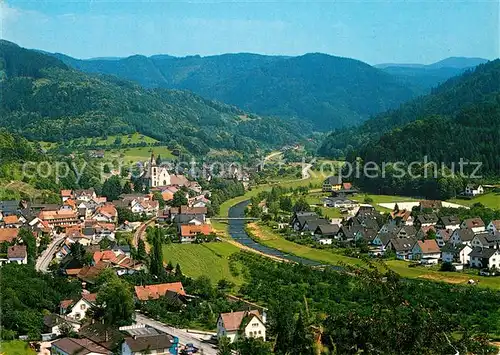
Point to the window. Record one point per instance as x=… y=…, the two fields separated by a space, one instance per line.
x=82 y=306
x=260 y=332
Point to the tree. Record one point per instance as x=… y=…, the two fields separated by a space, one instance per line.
x=253 y=346
x=179 y=199
x=138 y=186
x=141 y=250
x=224 y=346
x=156 y=257
x=157 y=196
x=29 y=240
x=112 y=188
x=116 y=301
x=286 y=203
x=301 y=206
x=282 y=325
x=178 y=271
x=302 y=343
x=127 y=189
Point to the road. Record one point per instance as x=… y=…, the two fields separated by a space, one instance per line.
x=43 y=261
x=183 y=335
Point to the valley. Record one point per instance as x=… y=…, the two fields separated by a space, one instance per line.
x=289 y=203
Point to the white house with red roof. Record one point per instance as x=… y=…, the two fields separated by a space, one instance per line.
x=243 y=324
x=77 y=309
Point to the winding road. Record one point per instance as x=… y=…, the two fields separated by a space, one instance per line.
x=43 y=261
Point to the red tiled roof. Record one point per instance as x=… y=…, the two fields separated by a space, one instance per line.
x=108 y=209
x=89 y=297
x=8 y=234
x=429 y=246
x=154 y=292
x=11 y=219
x=189 y=230
x=66 y=193
x=72 y=272
x=65 y=303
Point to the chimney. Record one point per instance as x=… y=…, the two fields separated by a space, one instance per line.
x=106 y=337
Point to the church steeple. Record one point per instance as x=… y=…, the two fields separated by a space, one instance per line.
x=153 y=160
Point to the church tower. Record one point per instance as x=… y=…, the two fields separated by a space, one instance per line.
x=158 y=175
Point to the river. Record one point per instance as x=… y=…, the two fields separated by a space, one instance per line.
x=238 y=233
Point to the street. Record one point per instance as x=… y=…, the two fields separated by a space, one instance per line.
x=43 y=261
x=184 y=336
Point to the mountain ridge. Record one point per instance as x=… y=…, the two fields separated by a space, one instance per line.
x=44 y=99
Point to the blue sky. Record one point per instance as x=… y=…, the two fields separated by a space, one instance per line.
x=375 y=31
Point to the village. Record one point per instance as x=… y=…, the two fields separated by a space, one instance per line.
x=85 y=236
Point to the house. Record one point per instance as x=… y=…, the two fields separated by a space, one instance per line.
x=12 y=221
x=106 y=213
x=149 y=344
x=105 y=335
x=59 y=218
x=237 y=325
x=458 y=253
x=153 y=292
x=462 y=236
x=427 y=251
x=426 y=220
x=494 y=226
x=299 y=219
x=398 y=216
x=332 y=183
x=430 y=205
x=485 y=258
x=77 y=309
x=339 y=202
x=76 y=346
x=448 y=222
x=486 y=240
x=189 y=232
x=17 y=254
x=402 y=247
x=9 y=207
x=424 y=232
x=52 y=324
x=443 y=236
x=473 y=190
x=325 y=233
x=327 y=230
x=8 y=235
x=85 y=195
x=476 y=224
x=381 y=240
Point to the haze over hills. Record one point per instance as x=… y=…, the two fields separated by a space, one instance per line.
x=463 y=115
x=44 y=99
x=328 y=91
x=422 y=77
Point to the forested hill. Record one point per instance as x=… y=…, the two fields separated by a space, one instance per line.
x=455 y=98
x=326 y=90
x=43 y=99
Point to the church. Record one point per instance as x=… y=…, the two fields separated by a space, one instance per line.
x=156 y=175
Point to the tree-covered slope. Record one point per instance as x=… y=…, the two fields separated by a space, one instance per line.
x=55 y=103
x=328 y=91
x=473 y=88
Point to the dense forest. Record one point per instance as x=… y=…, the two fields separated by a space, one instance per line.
x=42 y=99
x=460 y=118
x=328 y=91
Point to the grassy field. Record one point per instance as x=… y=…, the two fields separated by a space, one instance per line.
x=15 y=347
x=271 y=239
x=491 y=200
x=211 y=259
x=133 y=155
x=268 y=237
